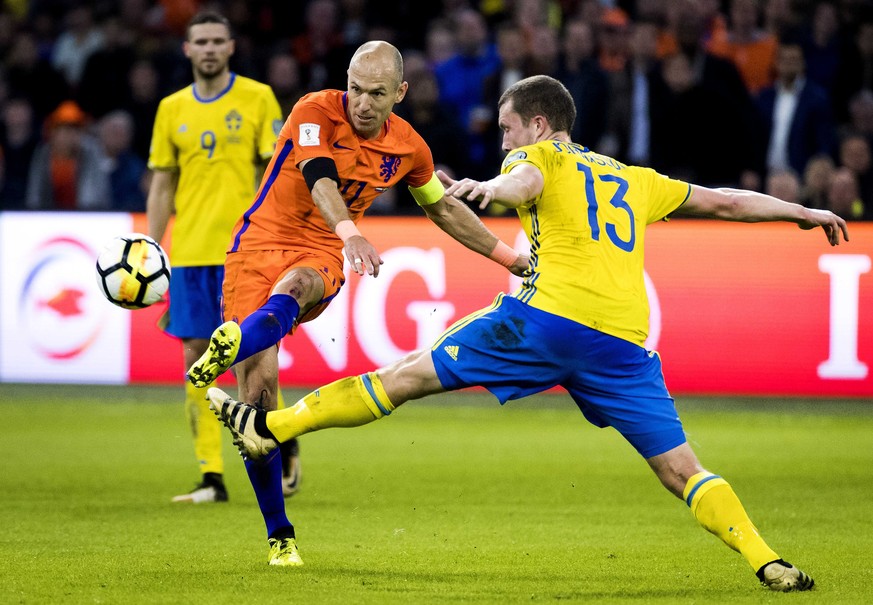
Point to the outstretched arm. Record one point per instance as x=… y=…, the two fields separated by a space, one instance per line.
x=513 y=189
x=751 y=207
x=456 y=219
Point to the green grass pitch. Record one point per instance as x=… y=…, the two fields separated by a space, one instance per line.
x=451 y=500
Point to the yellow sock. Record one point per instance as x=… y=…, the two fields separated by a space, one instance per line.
x=347 y=402
x=717 y=508
x=205 y=428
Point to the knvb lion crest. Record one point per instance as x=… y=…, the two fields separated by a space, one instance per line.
x=389 y=167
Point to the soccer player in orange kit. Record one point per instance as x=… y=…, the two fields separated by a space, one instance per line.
x=336 y=153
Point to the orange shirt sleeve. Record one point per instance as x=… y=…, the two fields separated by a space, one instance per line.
x=311 y=127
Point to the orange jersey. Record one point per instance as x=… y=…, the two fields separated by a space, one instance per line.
x=283 y=215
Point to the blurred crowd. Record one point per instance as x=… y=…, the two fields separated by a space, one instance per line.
x=770 y=95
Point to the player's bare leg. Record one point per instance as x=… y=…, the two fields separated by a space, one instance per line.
x=716 y=507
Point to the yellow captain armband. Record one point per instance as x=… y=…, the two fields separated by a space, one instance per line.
x=429 y=193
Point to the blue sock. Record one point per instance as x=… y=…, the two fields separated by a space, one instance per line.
x=266 y=478
x=266 y=326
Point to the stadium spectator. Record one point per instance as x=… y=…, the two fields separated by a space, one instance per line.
x=33 y=78
x=209 y=145
x=163 y=52
x=589 y=11
x=176 y=15
x=783 y=184
x=320 y=48
x=286 y=261
x=529 y=15
x=545 y=51
x=579 y=320
x=246 y=60
x=8 y=26
x=823 y=46
x=844 y=197
x=440 y=42
x=632 y=99
x=513 y=56
x=138 y=16
x=125 y=169
x=715 y=24
x=406 y=20
x=816 y=181
x=104 y=85
x=437 y=127
x=18 y=142
x=613 y=48
x=795 y=113
x=861 y=114
x=462 y=91
x=141 y=102
x=415 y=61
x=514 y=59
x=80 y=39
x=585 y=79
x=739 y=159
x=682 y=126
x=855 y=72
x=65 y=172
x=781 y=19
x=683 y=18
x=354 y=21
x=283 y=76
x=751 y=49
x=854 y=154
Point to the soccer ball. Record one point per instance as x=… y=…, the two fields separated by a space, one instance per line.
x=133 y=271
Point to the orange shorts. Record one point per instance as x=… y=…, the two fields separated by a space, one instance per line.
x=250 y=276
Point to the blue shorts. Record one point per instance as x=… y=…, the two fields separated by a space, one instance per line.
x=515 y=350
x=195 y=301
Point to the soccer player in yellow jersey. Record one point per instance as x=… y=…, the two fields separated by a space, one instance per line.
x=210 y=143
x=579 y=319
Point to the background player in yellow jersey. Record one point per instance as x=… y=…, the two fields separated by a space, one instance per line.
x=210 y=143
x=578 y=321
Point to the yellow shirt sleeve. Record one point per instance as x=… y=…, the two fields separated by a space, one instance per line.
x=162 y=152
x=665 y=194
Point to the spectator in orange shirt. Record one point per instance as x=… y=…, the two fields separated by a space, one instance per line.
x=66 y=171
x=750 y=48
x=613 y=36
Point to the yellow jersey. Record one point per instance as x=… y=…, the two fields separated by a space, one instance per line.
x=587 y=235
x=216 y=144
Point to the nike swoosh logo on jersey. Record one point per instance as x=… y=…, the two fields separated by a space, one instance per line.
x=338 y=146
